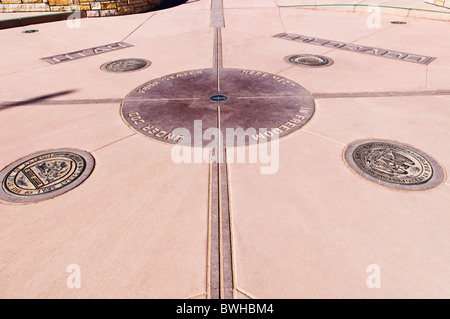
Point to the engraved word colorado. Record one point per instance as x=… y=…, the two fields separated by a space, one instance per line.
x=402 y=56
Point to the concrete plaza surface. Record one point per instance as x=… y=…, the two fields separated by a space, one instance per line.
x=143 y=226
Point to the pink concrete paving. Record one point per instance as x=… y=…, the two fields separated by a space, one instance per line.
x=140 y=225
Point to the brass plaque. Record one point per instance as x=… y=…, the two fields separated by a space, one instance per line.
x=309 y=60
x=394 y=165
x=65 y=57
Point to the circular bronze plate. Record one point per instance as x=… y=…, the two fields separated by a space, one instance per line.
x=184 y=108
x=126 y=65
x=394 y=165
x=309 y=60
x=44 y=175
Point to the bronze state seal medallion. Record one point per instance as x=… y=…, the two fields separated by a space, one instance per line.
x=394 y=165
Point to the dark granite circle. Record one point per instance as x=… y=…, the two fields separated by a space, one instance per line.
x=126 y=65
x=398 y=22
x=394 y=165
x=44 y=175
x=177 y=109
x=309 y=60
x=30 y=31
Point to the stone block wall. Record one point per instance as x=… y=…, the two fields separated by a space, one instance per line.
x=91 y=8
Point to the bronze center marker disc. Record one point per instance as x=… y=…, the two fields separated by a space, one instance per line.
x=253 y=106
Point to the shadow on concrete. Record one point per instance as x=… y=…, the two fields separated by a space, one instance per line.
x=36 y=100
x=167 y=4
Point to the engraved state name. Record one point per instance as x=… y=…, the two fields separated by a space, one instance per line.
x=402 y=56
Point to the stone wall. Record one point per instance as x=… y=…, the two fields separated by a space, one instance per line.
x=91 y=8
x=441 y=3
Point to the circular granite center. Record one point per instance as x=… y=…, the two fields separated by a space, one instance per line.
x=309 y=60
x=248 y=106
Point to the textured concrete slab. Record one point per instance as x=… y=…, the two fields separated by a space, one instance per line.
x=404 y=8
x=319 y=246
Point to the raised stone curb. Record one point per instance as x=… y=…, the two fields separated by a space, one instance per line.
x=91 y=8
